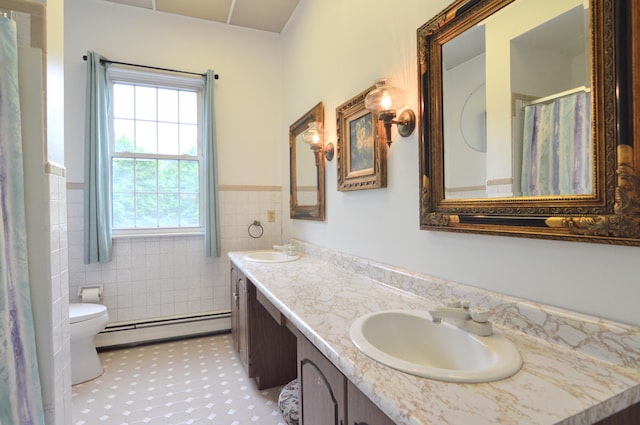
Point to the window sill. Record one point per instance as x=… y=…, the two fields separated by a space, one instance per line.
x=133 y=234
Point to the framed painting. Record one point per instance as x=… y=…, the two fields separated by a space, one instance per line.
x=362 y=152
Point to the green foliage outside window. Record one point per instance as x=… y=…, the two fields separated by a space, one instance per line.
x=149 y=191
x=155 y=193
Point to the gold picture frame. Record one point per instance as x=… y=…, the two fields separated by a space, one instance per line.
x=611 y=214
x=362 y=152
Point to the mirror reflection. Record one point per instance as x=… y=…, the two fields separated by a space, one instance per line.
x=306 y=169
x=554 y=93
x=517 y=103
x=306 y=174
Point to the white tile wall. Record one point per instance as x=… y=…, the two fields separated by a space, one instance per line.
x=151 y=277
x=61 y=413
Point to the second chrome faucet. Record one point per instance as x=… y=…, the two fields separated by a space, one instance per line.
x=474 y=320
x=288 y=249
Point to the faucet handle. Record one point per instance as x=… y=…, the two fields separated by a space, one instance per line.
x=291 y=249
x=456 y=303
x=288 y=249
x=453 y=302
x=480 y=314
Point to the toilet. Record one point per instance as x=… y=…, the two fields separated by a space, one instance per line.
x=86 y=321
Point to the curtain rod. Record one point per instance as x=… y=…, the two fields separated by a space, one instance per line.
x=103 y=61
x=559 y=95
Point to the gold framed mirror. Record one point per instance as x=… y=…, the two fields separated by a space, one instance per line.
x=527 y=122
x=306 y=169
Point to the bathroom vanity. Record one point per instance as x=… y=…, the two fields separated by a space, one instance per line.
x=268 y=346
x=576 y=369
x=267 y=349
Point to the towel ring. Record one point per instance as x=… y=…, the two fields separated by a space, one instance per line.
x=255 y=229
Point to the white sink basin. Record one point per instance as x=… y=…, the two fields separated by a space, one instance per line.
x=270 y=257
x=409 y=341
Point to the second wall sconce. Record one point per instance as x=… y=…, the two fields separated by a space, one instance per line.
x=385 y=100
x=315 y=137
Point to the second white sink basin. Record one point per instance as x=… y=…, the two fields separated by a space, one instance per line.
x=270 y=257
x=409 y=341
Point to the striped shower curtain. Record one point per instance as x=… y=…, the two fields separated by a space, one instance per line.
x=557 y=154
x=20 y=397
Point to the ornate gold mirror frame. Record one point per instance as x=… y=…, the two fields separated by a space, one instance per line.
x=306 y=200
x=611 y=214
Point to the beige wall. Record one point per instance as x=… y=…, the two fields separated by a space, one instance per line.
x=331 y=51
x=248 y=93
x=248 y=98
x=334 y=49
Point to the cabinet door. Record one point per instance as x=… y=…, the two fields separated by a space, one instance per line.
x=267 y=349
x=322 y=387
x=243 y=322
x=235 y=309
x=362 y=411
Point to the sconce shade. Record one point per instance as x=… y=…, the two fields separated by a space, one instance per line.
x=385 y=97
x=314 y=134
x=385 y=100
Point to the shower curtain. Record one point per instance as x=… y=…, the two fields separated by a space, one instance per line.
x=20 y=396
x=556 y=153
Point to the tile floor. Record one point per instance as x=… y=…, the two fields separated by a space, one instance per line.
x=197 y=381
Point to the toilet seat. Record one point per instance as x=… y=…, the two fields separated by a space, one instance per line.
x=79 y=312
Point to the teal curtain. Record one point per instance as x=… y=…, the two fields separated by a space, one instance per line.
x=211 y=214
x=20 y=392
x=97 y=210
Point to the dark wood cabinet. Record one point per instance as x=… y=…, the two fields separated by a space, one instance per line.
x=239 y=329
x=327 y=396
x=361 y=410
x=628 y=416
x=267 y=349
x=323 y=389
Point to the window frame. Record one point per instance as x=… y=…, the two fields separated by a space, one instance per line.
x=157 y=79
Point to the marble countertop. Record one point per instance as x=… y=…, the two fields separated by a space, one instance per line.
x=558 y=383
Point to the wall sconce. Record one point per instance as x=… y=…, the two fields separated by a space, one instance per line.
x=385 y=100
x=314 y=136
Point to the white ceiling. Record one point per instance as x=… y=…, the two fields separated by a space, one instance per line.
x=267 y=15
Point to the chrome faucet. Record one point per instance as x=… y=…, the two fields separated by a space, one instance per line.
x=474 y=320
x=288 y=249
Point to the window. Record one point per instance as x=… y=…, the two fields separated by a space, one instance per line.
x=156 y=152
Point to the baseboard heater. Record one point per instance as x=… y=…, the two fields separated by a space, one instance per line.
x=145 y=331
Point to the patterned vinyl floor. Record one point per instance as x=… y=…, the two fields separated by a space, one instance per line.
x=196 y=381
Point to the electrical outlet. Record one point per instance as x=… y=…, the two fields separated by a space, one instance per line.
x=271 y=216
